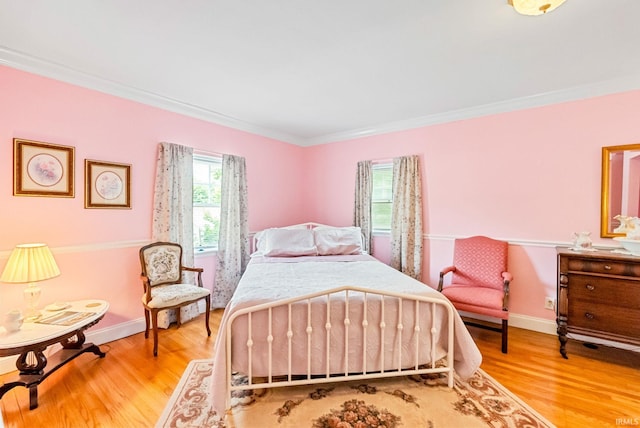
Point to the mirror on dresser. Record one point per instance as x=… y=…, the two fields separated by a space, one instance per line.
x=620 y=186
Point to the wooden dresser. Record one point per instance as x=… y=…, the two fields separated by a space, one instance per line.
x=598 y=296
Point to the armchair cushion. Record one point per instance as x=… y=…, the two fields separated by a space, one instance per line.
x=174 y=294
x=480 y=300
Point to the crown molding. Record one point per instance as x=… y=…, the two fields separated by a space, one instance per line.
x=25 y=62
x=622 y=84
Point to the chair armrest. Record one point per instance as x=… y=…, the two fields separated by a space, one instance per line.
x=192 y=269
x=146 y=287
x=443 y=272
x=197 y=270
x=507 y=278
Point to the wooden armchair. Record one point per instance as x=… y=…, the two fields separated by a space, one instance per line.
x=480 y=281
x=163 y=287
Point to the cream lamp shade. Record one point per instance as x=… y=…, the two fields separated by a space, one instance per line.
x=30 y=263
x=535 y=7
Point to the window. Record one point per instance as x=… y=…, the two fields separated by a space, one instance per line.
x=207 y=189
x=382 y=197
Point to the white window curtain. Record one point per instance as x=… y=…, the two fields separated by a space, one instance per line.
x=362 y=209
x=173 y=213
x=406 y=217
x=233 y=243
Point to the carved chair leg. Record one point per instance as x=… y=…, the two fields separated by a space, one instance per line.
x=207 y=311
x=146 y=323
x=505 y=333
x=178 y=320
x=154 y=326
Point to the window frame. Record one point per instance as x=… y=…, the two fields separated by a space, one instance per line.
x=211 y=160
x=386 y=165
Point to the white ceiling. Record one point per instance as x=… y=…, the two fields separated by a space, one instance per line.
x=309 y=72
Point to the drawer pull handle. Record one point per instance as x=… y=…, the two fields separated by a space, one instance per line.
x=590 y=287
x=607 y=267
x=589 y=316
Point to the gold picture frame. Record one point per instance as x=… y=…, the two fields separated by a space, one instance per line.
x=43 y=169
x=107 y=184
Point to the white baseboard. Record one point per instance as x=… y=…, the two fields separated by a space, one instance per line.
x=526 y=322
x=125 y=329
x=97 y=336
x=545 y=326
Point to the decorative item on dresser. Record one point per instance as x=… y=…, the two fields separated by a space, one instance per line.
x=598 y=296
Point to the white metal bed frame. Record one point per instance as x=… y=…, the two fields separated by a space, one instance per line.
x=273 y=380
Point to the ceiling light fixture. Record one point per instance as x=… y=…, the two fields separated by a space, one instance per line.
x=535 y=7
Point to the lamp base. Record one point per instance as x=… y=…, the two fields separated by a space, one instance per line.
x=32 y=297
x=32 y=316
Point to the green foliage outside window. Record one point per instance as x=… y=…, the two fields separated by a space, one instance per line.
x=207 y=192
x=382 y=197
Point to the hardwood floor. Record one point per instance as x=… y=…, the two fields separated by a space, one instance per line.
x=129 y=388
x=593 y=388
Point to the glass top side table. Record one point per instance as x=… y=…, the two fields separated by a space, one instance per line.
x=60 y=323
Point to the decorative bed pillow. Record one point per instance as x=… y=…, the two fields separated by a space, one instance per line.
x=288 y=243
x=338 y=240
x=260 y=238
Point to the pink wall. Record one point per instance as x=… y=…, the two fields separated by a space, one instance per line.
x=531 y=177
x=97 y=248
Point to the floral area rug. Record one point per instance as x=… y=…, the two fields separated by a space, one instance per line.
x=408 y=401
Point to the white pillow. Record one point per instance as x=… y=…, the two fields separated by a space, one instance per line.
x=338 y=240
x=261 y=241
x=288 y=243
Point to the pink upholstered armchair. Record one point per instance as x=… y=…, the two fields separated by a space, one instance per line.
x=480 y=281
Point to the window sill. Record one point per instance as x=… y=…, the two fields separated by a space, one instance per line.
x=207 y=252
x=381 y=233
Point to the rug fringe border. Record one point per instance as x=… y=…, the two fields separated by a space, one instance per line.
x=183 y=379
x=519 y=400
x=177 y=391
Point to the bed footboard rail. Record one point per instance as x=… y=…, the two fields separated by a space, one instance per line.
x=341 y=334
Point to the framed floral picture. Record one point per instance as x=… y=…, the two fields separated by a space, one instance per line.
x=107 y=185
x=42 y=169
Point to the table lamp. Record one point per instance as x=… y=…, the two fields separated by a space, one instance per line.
x=30 y=263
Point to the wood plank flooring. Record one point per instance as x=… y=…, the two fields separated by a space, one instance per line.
x=129 y=388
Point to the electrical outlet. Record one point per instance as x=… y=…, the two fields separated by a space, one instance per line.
x=550 y=303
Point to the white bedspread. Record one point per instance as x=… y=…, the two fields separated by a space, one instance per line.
x=270 y=279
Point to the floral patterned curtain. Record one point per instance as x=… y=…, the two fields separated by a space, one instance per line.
x=362 y=208
x=233 y=243
x=406 y=217
x=173 y=213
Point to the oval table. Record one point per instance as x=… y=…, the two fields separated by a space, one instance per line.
x=58 y=323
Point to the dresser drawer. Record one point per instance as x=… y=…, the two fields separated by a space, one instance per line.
x=598 y=296
x=606 y=291
x=605 y=267
x=600 y=317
